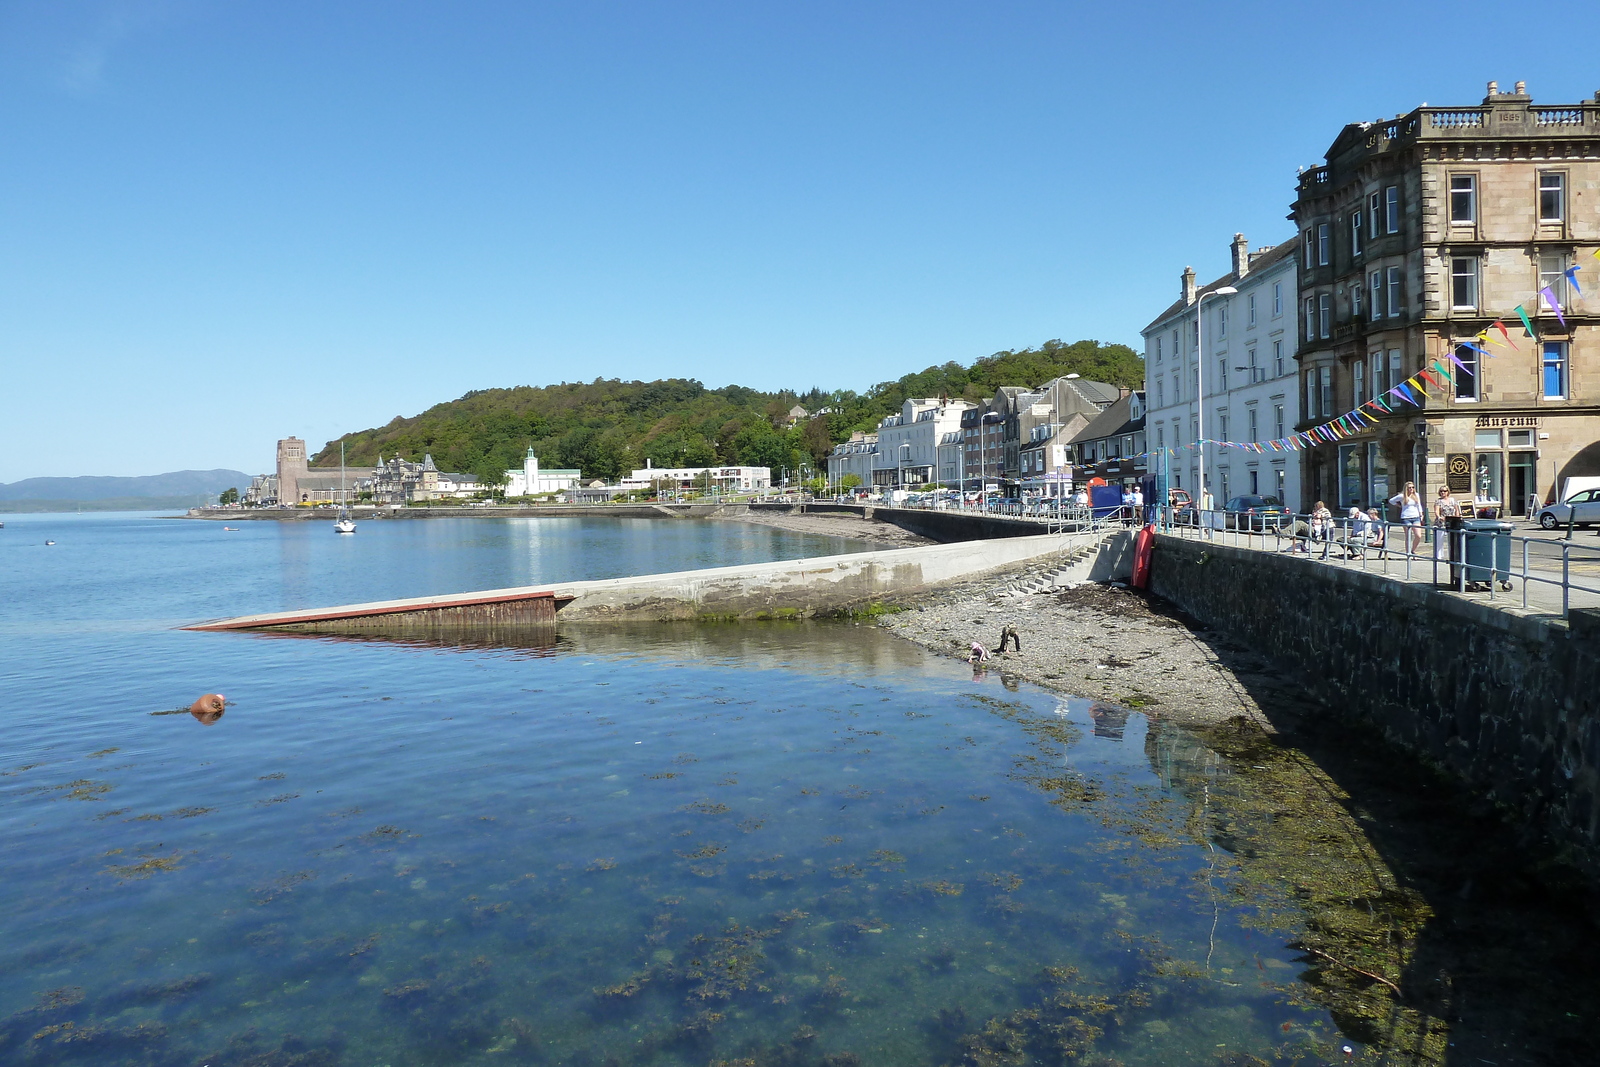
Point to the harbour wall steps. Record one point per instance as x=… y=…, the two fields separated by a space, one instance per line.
x=1507 y=700
x=789 y=589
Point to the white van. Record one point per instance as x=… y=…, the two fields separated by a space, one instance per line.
x=1577 y=485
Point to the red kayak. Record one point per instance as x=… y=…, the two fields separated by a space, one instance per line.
x=1143 y=542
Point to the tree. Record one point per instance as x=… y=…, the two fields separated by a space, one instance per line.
x=850 y=481
x=491 y=475
x=229 y=497
x=608 y=427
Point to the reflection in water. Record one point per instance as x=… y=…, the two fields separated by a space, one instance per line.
x=1109 y=720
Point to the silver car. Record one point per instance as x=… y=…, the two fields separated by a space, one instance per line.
x=1581 y=509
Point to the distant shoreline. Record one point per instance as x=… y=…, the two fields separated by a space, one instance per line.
x=72 y=507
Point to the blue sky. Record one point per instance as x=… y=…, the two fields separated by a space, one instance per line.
x=223 y=223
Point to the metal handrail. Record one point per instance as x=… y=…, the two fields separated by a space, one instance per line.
x=1364 y=539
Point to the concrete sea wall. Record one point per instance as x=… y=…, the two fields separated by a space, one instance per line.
x=804 y=588
x=1506 y=701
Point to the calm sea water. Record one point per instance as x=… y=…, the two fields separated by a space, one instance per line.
x=785 y=843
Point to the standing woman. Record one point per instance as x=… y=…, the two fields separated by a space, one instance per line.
x=1446 y=507
x=1410 y=505
x=1322 y=526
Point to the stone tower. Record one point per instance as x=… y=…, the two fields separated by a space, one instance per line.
x=291 y=465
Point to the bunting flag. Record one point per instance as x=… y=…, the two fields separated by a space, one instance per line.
x=1571 y=275
x=1550 y=298
x=1505 y=333
x=1526 y=323
x=1475 y=348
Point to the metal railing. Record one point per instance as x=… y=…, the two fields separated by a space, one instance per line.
x=1464 y=559
x=1055 y=515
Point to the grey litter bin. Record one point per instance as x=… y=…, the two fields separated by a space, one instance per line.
x=1488 y=551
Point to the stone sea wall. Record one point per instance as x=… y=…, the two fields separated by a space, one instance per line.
x=1506 y=701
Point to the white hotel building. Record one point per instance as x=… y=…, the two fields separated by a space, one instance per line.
x=1250 y=377
x=918 y=446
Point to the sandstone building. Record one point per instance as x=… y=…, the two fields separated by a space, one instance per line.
x=1418 y=234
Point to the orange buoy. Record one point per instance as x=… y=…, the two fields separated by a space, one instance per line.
x=209 y=708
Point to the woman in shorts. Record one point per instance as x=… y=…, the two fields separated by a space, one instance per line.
x=1410 y=505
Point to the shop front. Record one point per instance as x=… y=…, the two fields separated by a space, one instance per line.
x=1503 y=466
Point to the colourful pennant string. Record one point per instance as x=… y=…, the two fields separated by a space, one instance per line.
x=1571 y=275
x=1501 y=326
x=1550 y=298
x=1526 y=322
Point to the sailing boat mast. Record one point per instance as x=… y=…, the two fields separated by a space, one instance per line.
x=345 y=525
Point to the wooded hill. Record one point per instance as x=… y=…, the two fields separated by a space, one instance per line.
x=607 y=428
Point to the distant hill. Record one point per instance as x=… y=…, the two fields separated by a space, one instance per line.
x=609 y=427
x=178 y=488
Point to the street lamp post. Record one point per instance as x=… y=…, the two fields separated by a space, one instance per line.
x=1200 y=387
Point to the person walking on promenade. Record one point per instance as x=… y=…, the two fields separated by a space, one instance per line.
x=1410 y=505
x=1322 y=526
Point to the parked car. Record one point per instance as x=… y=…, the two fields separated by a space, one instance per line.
x=1581 y=509
x=1255 y=513
x=1183 y=512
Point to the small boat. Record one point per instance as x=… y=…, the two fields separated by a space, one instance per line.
x=49 y=542
x=345 y=524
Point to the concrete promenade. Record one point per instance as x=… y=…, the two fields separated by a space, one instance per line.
x=825 y=585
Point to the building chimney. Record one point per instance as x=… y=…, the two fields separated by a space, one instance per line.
x=1522 y=88
x=1494 y=87
x=1188 y=286
x=1241 y=256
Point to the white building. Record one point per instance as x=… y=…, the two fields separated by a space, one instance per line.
x=952 y=458
x=1250 y=377
x=531 y=481
x=728 y=479
x=857 y=456
x=909 y=443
